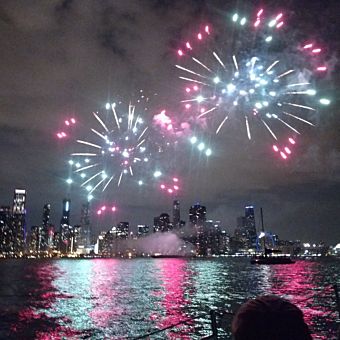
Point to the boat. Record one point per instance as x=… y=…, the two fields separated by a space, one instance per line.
x=271 y=260
x=268 y=257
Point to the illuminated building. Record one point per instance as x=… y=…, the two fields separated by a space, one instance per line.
x=65 y=228
x=33 y=240
x=162 y=223
x=197 y=218
x=85 y=226
x=245 y=232
x=122 y=230
x=44 y=235
x=197 y=214
x=156 y=224
x=250 y=228
x=18 y=223
x=6 y=232
x=176 y=215
x=142 y=230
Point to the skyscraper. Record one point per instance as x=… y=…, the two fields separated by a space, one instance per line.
x=65 y=228
x=44 y=231
x=6 y=232
x=18 y=225
x=250 y=228
x=176 y=214
x=197 y=214
x=85 y=226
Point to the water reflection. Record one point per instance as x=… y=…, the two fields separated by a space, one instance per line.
x=176 y=290
x=302 y=284
x=120 y=299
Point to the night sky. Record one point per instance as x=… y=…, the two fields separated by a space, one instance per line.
x=68 y=58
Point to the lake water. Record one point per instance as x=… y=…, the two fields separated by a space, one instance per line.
x=125 y=299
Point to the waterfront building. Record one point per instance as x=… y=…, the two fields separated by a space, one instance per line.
x=162 y=223
x=84 y=238
x=245 y=232
x=197 y=218
x=142 y=230
x=6 y=231
x=156 y=224
x=250 y=227
x=176 y=214
x=19 y=220
x=197 y=214
x=33 y=239
x=44 y=237
x=65 y=228
x=122 y=230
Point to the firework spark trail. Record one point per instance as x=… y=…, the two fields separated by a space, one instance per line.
x=220 y=126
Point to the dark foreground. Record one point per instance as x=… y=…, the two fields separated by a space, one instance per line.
x=119 y=299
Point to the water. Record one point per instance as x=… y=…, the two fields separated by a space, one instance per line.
x=124 y=299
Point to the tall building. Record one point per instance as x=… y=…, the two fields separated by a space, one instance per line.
x=250 y=227
x=85 y=226
x=44 y=233
x=123 y=230
x=162 y=223
x=176 y=214
x=65 y=228
x=19 y=216
x=142 y=230
x=6 y=231
x=197 y=214
x=245 y=232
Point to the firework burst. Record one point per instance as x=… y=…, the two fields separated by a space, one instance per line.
x=117 y=147
x=257 y=77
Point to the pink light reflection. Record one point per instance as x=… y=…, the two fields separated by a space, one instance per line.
x=322 y=68
x=280 y=24
x=316 y=50
x=199 y=36
x=207 y=29
x=291 y=140
x=275 y=148
x=283 y=155
x=308 y=46
x=296 y=283
x=180 y=53
x=173 y=274
x=188 y=46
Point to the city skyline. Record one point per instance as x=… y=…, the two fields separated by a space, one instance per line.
x=75 y=58
x=94 y=221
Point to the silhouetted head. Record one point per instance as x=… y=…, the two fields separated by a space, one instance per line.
x=269 y=318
